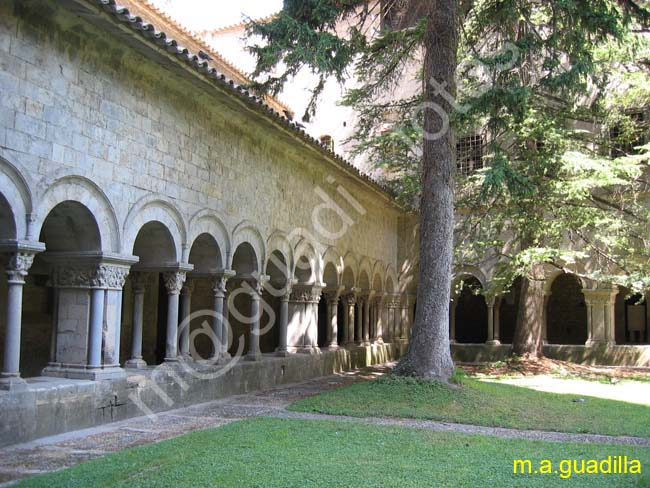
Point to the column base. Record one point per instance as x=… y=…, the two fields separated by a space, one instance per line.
x=172 y=360
x=332 y=347
x=282 y=353
x=308 y=350
x=255 y=356
x=224 y=358
x=85 y=373
x=12 y=383
x=593 y=343
x=136 y=364
x=494 y=342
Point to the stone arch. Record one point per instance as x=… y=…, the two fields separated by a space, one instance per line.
x=247 y=232
x=378 y=276
x=18 y=196
x=82 y=190
x=350 y=272
x=465 y=272
x=153 y=208
x=332 y=267
x=278 y=242
x=391 y=278
x=365 y=274
x=552 y=275
x=471 y=312
x=306 y=256
x=207 y=222
x=566 y=310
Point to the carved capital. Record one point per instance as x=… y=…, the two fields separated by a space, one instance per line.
x=109 y=277
x=219 y=286
x=174 y=281
x=18 y=266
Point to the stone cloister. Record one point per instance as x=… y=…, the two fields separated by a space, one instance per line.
x=170 y=238
x=108 y=303
x=575 y=312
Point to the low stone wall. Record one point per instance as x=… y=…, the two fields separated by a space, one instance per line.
x=54 y=405
x=631 y=356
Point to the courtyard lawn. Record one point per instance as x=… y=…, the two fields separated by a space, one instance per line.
x=268 y=452
x=481 y=403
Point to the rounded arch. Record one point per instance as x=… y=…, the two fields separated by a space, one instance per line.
x=278 y=242
x=350 y=270
x=205 y=254
x=332 y=267
x=153 y=208
x=566 y=311
x=471 y=312
x=207 y=222
x=306 y=256
x=18 y=196
x=391 y=279
x=551 y=276
x=378 y=276
x=79 y=189
x=466 y=272
x=365 y=274
x=247 y=232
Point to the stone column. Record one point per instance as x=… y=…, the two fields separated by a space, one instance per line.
x=600 y=315
x=19 y=264
x=186 y=310
x=379 y=319
x=138 y=283
x=254 y=353
x=367 y=300
x=350 y=302
x=404 y=319
x=282 y=349
x=95 y=328
x=452 y=319
x=173 y=283
x=219 y=325
x=497 y=321
x=358 y=324
x=491 y=341
x=332 y=298
x=312 y=313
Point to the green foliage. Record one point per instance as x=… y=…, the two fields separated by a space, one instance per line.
x=543 y=82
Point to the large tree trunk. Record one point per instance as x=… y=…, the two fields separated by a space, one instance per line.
x=527 y=340
x=428 y=353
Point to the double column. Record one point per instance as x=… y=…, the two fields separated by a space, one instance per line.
x=87 y=322
x=600 y=315
x=255 y=291
x=17 y=268
x=349 y=319
x=492 y=304
x=220 y=327
x=332 y=296
x=285 y=296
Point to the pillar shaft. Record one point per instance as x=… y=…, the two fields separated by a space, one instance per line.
x=17 y=268
x=138 y=281
x=254 y=330
x=95 y=328
x=186 y=310
x=173 y=283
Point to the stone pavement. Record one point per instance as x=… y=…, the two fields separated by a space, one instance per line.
x=61 y=451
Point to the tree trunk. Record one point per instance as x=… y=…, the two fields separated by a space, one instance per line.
x=428 y=353
x=527 y=340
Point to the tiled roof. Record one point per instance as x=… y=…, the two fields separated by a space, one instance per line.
x=163 y=22
x=160 y=39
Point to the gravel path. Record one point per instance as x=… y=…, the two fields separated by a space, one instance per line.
x=65 y=450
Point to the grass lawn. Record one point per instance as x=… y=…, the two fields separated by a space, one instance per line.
x=481 y=403
x=267 y=452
